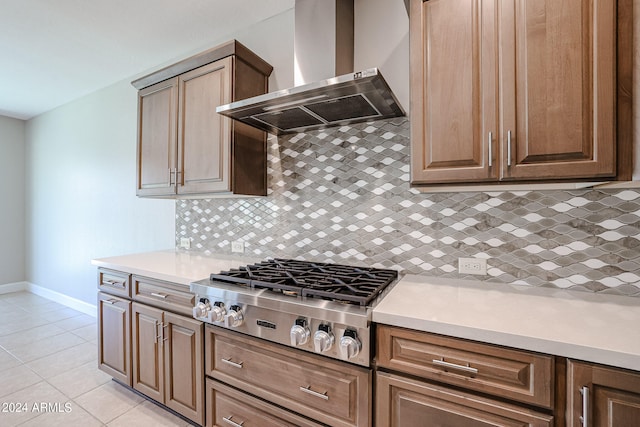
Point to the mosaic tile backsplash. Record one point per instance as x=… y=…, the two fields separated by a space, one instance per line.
x=342 y=195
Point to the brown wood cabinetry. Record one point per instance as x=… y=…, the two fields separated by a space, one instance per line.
x=227 y=405
x=164 y=295
x=461 y=383
x=114 y=337
x=331 y=392
x=184 y=146
x=520 y=91
x=167 y=359
x=600 y=396
x=152 y=347
x=403 y=401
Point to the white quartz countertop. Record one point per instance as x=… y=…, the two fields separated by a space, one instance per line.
x=172 y=265
x=592 y=327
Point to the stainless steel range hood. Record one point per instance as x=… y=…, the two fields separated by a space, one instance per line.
x=348 y=98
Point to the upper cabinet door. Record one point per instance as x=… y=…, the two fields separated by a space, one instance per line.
x=157 y=121
x=454 y=126
x=204 y=136
x=558 y=98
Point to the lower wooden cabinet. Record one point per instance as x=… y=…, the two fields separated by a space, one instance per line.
x=228 y=407
x=403 y=402
x=167 y=359
x=600 y=396
x=114 y=337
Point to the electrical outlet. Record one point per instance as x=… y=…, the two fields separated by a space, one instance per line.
x=185 y=243
x=237 y=246
x=476 y=266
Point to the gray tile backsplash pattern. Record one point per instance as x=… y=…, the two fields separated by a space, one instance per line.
x=342 y=195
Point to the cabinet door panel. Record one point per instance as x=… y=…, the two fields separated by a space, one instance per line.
x=558 y=98
x=453 y=46
x=147 y=351
x=157 y=138
x=114 y=344
x=407 y=402
x=204 y=135
x=613 y=395
x=184 y=369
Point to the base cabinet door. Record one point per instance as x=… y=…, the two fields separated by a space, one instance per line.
x=147 y=351
x=402 y=402
x=168 y=360
x=183 y=366
x=114 y=343
x=599 y=396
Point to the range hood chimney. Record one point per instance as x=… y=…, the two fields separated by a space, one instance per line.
x=323 y=49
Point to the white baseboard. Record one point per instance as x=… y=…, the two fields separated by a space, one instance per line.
x=63 y=299
x=13 y=287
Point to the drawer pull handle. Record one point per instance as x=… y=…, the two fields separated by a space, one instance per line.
x=110 y=301
x=229 y=420
x=163 y=296
x=234 y=364
x=584 y=418
x=314 y=393
x=443 y=364
x=113 y=283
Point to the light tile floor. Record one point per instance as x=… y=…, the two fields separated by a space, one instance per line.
x=49 y=375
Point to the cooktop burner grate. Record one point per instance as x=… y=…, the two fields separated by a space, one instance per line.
x=335 y=282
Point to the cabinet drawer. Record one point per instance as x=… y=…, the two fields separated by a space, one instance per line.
x=114 y=282
x=164 y=295
x=331 y=392
x=404 y=402
x=228 y=407
x=513 y=374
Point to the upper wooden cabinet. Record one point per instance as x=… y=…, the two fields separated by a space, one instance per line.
x=527 y=90
x=184 y=146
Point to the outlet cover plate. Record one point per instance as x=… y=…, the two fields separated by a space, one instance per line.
x=477 y=266
x=237 y=246
x=185 y=243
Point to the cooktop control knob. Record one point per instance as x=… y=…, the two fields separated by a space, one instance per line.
x=234 y=317
x=202 y=308
x=300 y=333
x=350 y=345
x=323 y=338
x=217 y=312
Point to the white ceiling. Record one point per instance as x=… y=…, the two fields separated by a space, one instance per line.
x=54 y=51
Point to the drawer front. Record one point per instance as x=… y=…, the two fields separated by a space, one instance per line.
x=402 y=402
x=331 y=392
x=164 y=295
x=514 y=374
x=228 y=407
x=114 y=282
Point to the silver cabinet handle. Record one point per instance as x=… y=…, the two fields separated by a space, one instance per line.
x=113 y=283
x=158 y=333
x=490 y=149
x=110 y=301
x=163 y=296
x=443 y=364
x=584 y=418
x=170 y=183
x=509 y=148
x=228 y=361
x=314 y=393
x=233 y=423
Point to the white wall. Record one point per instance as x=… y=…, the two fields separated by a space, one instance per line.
x=12 y=208
x=81 y=201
